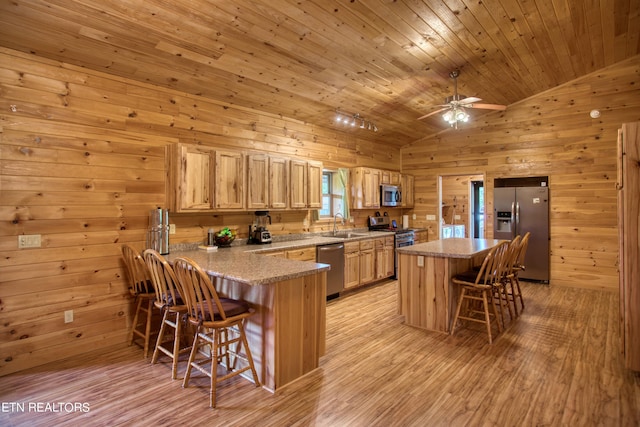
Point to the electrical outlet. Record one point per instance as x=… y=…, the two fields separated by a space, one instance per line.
x=457 y=216
x=68 y=316
x=431 y=217
x=420 y=261
x=29 y=241
x=414 y=217
x=172 y=229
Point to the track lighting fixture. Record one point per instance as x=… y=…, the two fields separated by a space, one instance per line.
x=354 y=120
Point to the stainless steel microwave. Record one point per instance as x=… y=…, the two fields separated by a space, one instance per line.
x=390 y=195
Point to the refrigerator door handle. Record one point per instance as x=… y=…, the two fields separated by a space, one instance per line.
x=513 y=214
x=517 y=217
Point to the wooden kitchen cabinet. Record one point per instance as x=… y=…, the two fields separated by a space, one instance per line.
x=408 y=190
x=351 y=264
x=365 y=188
x=258 y=181
x=278 y=182
x=367 y=262
x=384 y=251
x=421 y=236
x=229 y=180
x=390 y=177
x=314 y=197
x=304 y=254
x=298 y=173
x=190 y=180
x=267 y=182
x=306 y=184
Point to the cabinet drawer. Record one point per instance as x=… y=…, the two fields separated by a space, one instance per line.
x=351 y=247
x=366 y=244
x=304 y=254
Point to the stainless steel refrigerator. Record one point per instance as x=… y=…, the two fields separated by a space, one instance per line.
x=521 y=209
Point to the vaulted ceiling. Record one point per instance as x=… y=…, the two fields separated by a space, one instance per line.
x=387 y=60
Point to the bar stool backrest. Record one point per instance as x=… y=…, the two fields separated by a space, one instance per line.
x=139 y=278
x=200 y=295
x=163 y=278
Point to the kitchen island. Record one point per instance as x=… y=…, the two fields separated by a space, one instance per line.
x=426 y=296
x=287 y=333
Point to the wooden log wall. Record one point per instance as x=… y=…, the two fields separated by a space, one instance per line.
x=549 y=134
x=82 y=164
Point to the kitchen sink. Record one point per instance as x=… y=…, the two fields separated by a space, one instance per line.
x=345 y=235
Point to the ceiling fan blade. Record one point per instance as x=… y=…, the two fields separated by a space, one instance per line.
x=469 y=100
x=432 y=113
x=487 y=106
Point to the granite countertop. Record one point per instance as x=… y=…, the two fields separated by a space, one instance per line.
x=450 y=248
x=249 y=268
x=245 y=263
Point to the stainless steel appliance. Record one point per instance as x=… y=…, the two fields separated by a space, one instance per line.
x=518 y=210
x=158 y=231
x=402 y=237
x=258 y=233
x=333 y=255
x=390 y=195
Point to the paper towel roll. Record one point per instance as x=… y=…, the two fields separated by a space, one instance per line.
x=405 y=221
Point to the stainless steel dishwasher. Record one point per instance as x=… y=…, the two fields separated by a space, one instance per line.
x=333 y=255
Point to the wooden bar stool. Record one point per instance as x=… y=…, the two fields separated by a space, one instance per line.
x=141 y=289
x=169 y=301
x=477 y=289
x=219 y=325
x=517 y=268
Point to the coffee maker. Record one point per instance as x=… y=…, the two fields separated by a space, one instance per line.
x=258 y=232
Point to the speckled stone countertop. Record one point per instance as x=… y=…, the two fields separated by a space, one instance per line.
x=244 y=263
x=450 y=248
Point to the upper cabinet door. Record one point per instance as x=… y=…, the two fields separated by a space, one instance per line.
x=191 y=171
x=298 y=170
x=315 y=185
x=229 y=180
x=408 y=195
x=258 y=181
x=278 y=182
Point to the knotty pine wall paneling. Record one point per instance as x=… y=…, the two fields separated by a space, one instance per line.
x=548 y=134
x=82 y=164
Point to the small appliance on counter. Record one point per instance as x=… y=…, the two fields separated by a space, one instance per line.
x=158 y=231
x=258 y=233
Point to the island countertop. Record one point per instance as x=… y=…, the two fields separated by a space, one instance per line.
x=450 y=248
x=249 y=268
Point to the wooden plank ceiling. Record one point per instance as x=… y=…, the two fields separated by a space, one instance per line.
x=387 y=60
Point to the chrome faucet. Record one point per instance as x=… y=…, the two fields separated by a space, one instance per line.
x=335 y=218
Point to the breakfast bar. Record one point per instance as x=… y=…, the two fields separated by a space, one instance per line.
x=287 y=332
x=426 y=296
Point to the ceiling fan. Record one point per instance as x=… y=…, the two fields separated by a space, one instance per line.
x=455 y=105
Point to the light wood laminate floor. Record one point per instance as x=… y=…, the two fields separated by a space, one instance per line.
x=557 y=365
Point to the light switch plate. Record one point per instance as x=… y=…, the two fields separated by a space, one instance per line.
x=431 y=217
x=420 y=261
x=172 y=229
x=29 y=241
x=68 y=316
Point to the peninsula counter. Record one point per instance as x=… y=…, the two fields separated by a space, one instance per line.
x=287 y=333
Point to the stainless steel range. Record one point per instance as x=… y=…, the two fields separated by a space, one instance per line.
x=402 y=237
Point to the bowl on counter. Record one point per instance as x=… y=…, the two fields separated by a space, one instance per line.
x=224 y=241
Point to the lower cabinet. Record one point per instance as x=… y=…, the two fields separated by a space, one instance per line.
x=384 y=248
x=367 y=262
x=351 y=264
